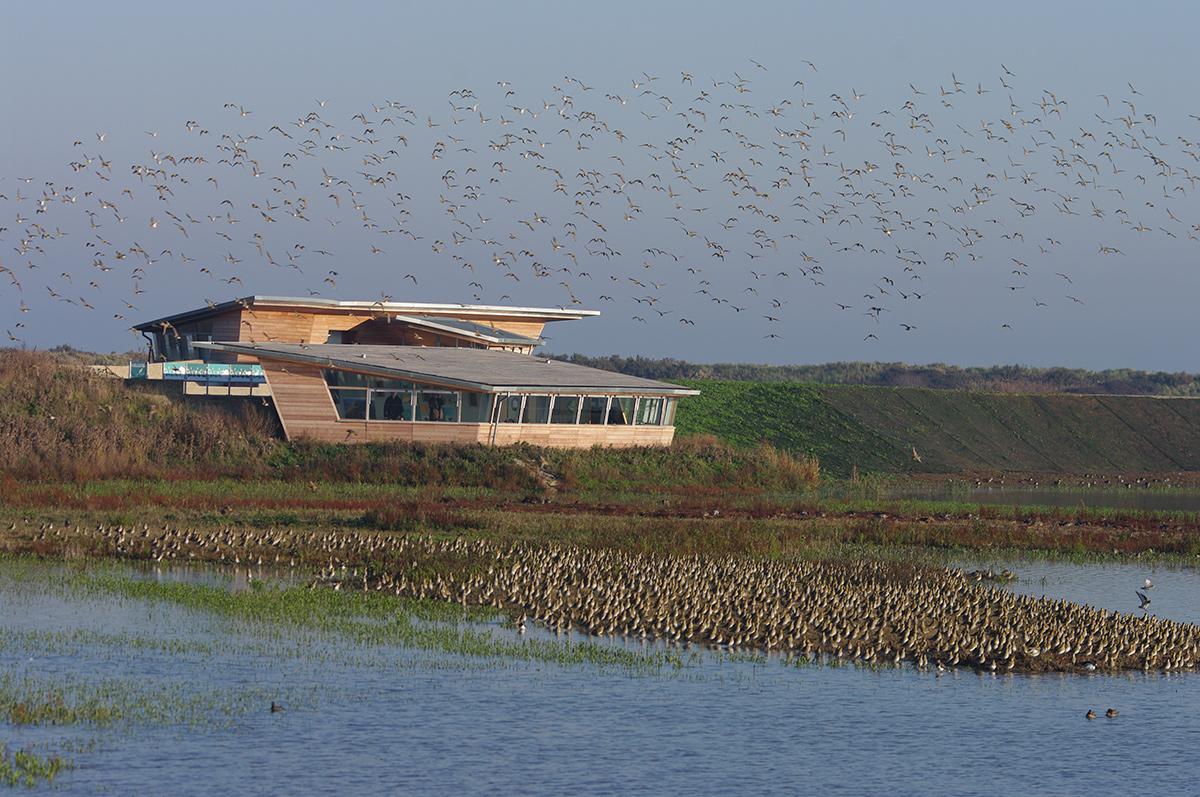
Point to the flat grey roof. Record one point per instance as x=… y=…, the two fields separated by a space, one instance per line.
x=474 y=369
x=380 y=307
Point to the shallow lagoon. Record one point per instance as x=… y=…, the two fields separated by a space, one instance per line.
x=365 y=717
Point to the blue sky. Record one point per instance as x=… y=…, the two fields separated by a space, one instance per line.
x=143 y=68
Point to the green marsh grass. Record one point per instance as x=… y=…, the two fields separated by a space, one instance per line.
x=27 y=768
x=370 y=618
x=37 y=700
x=273 y=612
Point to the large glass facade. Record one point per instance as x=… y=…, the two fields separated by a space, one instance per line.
x=389 y=400
x=359 y=397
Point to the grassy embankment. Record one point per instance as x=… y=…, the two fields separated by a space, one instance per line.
x=876 y=429
x=84 y=449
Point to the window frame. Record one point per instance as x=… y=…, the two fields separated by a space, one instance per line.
x=641 y=404
x=364 y=392
x=491 y=400
x=499 y=403
x=410 y=405
x=411 y=390
x=416 y=404
x=616 y=400
x=554 y=405
x=603 y=414
x=525 y=406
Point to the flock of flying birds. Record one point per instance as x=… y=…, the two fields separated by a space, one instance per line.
x=679 y=200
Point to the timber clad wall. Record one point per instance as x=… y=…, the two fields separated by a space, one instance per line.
x=301 y=399
x=567 y=436
x=306 y=412
x=290 y=326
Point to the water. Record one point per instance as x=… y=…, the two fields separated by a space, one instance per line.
x=1174 y=596
x=1146 y=500
x=380 y=719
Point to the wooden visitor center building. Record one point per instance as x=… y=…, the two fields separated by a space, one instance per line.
x=378 y=371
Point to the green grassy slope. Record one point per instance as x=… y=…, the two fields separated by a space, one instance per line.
x=876 y=428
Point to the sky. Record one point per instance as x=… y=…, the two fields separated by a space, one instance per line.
x=742 y=205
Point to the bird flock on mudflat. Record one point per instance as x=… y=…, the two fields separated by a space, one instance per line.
x=747 y=199
x=881 y=613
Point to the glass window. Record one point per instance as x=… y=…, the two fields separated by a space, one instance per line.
x=510 y=410
x=476 y=407
x=620 y=411
x=649 y=412
x=335 y=378
x=351 y=403
x=669 y=412
x=388 y=384
x=437 y=405
x=594 y=408
x=390 y=405
x=537 y=409
x=565 y=409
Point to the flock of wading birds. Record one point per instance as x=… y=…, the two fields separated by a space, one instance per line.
x=680 y=200
x=879 y=613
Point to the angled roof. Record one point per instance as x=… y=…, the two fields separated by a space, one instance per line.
x=373 y=307
x=472 y=369
x=468 y=329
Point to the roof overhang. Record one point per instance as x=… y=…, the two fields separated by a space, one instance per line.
x=497 y=336
x=412 y=375
x=483 y=311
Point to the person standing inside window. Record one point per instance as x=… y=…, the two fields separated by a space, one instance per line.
x=393 y=407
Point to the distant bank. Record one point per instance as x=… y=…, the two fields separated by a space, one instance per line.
x=992 y=378
x=877 y=428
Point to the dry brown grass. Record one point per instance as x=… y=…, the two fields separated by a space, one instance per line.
x=63 y=421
